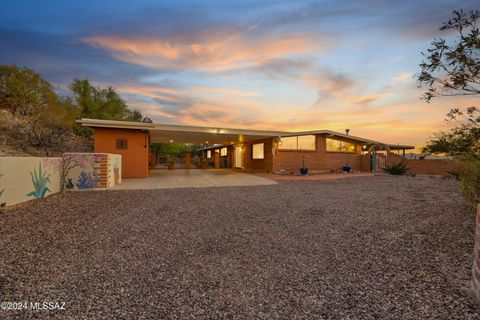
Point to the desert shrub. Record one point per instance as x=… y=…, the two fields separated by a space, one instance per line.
x=397 y=169
x=468 y=168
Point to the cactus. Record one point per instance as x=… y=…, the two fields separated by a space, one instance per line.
x=39 y=181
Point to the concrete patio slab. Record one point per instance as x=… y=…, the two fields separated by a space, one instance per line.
x=195 y=178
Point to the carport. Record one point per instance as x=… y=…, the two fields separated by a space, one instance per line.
x=132 y=139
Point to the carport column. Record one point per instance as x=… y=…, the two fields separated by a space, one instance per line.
x=476 y=262
x=153 y=159
x=187 y=159
x=216 y=159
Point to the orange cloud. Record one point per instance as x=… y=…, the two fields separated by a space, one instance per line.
x=218 y=52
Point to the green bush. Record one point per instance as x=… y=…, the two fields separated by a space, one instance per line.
x=397 y=169
x=468 y=168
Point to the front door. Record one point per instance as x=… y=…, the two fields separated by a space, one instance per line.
x=238 y=157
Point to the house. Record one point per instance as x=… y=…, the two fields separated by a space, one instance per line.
x=249 y=150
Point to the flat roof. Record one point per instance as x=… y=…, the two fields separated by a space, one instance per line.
x=213 y=135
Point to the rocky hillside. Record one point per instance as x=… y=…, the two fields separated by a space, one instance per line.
x=14 y=143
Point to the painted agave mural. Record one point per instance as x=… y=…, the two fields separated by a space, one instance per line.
x=40 y=180
x=86 y=181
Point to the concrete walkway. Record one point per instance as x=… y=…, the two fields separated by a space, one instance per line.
x=194 y=178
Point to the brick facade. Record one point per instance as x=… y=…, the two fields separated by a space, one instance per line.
x=441 y=167
x=320 y=159
x=258 y=165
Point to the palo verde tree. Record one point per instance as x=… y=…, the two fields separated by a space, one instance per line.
x=452 y=68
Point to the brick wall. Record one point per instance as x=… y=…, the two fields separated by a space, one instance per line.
x=427 y=166
x=320 y=159
x=259 y=165
x=476 y=262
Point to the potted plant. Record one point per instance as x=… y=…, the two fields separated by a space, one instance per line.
x=303 y=169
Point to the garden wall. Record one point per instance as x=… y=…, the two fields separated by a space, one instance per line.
x=440 y=167
x=27 y=178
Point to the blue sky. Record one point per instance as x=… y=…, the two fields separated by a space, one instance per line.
x=284 y=65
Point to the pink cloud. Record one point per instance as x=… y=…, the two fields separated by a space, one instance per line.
x=219 y=52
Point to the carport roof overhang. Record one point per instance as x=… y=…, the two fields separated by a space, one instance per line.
x=185 y=134
x=215 y=135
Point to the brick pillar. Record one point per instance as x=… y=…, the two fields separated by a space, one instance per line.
x=101 y=168
x=153 y=159
x=476 y=262
x=187 y=160
x=216 y=158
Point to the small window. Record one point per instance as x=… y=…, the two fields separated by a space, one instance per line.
x=258 y=151
x=209 y=154
x=339 y=146
x=223 y=152
x=122 y=143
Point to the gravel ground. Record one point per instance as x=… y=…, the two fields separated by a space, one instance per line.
x=361 y=248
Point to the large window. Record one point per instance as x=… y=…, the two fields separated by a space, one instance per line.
x=306 y=142
x=258 y=151
x=223 y=152
x=340 y=146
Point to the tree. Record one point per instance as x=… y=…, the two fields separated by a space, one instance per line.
x=461 y=139
x=101 y=103
x=453 y=69
x=22 y=90
x=44 y=120
x=50 y=127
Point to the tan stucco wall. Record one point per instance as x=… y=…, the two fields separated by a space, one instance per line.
x=17 y=182
x=98 y=166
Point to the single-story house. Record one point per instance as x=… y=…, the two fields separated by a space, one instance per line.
x=250 y=150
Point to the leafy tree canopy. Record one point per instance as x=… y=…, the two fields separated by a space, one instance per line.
x=22 y=90
x=453 y=69
x=101 y=103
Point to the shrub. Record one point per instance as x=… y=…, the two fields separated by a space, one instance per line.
x=468 y=168
x=397 y=169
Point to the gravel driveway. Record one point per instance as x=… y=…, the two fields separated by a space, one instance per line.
x=362 y=248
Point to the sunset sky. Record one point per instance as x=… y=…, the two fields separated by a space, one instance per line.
x=282 y=65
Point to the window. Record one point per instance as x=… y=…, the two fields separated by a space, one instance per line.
x=223 y=152
x=288 y=143
x=306 y=142
x=209 y=154
x=122 y=143
x=340 y=146
x=258 y=151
